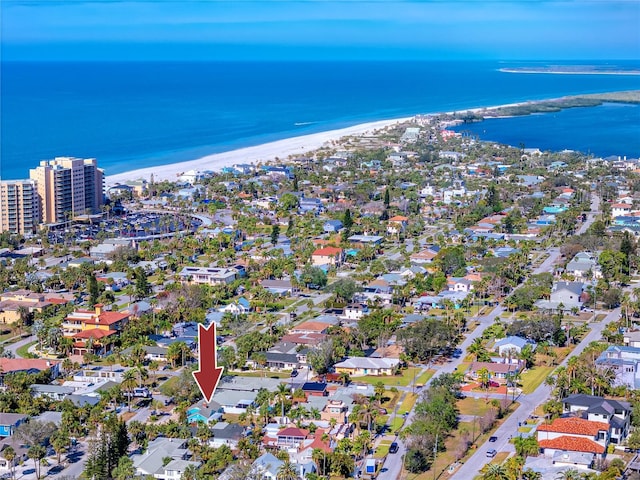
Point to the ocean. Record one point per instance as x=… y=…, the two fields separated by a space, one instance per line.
x=139 y=114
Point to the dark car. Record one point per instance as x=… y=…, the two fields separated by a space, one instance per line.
x=294 y=373
x=493 y=439
x=393 y=448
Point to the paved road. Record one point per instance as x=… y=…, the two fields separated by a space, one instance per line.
x=15 y=346
x=528 y=404
x=393 y=463
x=592 y=215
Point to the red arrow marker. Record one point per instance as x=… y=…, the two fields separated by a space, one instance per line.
x=208 y=376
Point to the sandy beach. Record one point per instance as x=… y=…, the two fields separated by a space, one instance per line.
x=268 y=151
x=258 y=153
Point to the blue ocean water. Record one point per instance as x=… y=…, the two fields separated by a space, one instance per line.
x=608 y=129
x=136 y=114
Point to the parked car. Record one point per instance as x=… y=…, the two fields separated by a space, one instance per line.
x=493 y=439
x=492 y=453
x=393 y=448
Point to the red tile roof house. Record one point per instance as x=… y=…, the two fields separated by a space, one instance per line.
x=397 y=224
x=29 y=365
x=574 y=434
x=82 y=325
x=328 y=256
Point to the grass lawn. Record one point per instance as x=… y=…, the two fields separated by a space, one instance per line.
x=472 y=406
x=524 y=429
x=600 y=316
x=23 y=351
x=500 y=457
x=6 y=336
x=167 y=386
x=533 y=378
x=392 y=399
x=381 y=451
x=408 y=403
x=396 y=424
x=402 y=380
x=424 y=378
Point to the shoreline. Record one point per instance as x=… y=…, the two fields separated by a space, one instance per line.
x=569 y=72
x=295 y=146
x=270 y=151
x=265 y=152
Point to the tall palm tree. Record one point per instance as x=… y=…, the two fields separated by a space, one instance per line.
x=281 y=396
x=287 y=471
x=129 y=382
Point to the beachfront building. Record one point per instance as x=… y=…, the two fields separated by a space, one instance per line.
x=68 y=187
x=19 y=206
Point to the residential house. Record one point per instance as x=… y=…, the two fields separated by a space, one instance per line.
x=90 y=330
x=631 y=338
x=332 y=226
x=315 y=389
x=565 y=296
x=9 y=422
x=332 y=256
x=573 y=434
x=335 y=409
x=286 y=356
x=164 y=459
x=53 y=392
x=28 y=365
x=624 y=361
x=224 y=433
x=361 y=241
x=267 y=465
x=498 y=372
x=359 y=366
x=291 y=437
x=208 y=275
x=616 y=413
x=201 y=412
x=311 y=326
x=511 y=344
x=239 y=307
x=620 y=209
x=425 y=256
x=584 y=266
x=278 y=287
x=12 y=304
x=355 y=311
x=459 y=284
x=397 y=225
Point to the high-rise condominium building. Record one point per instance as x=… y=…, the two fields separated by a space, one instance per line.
x=19 y=206
x=68 y=187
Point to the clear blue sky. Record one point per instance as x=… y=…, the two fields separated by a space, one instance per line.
x=320 y=29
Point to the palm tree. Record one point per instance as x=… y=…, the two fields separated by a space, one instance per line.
x=37 y=453
x=281 y=395
x=287 y=471
x=9 y=454
x=495 y=471
x=129 y=382
x=345 y=378
x=569 y=474
x=529 y=474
